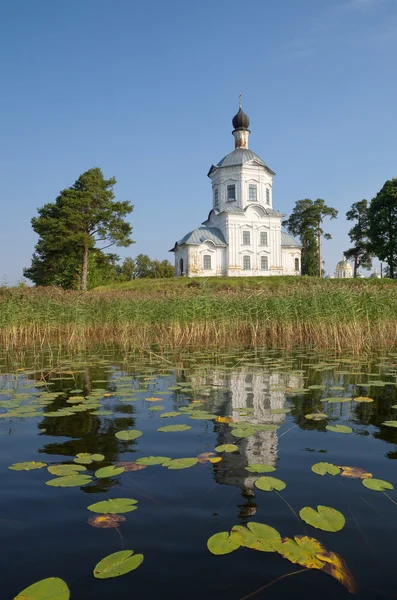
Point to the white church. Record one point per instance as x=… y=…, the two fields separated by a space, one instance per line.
x=243 y=234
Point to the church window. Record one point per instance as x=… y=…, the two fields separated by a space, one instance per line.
x=296 y=264
x=246 y=263
x=252 y=193
x=207 y=262
x=263 y=238
x=216 y=197
x=231 y=193
x=267 y=196
x=264 y=263
x=246 y=238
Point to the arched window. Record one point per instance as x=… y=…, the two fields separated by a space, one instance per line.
x=181 y=266
x=246 y=263
x=296 y=264
x=207 y=262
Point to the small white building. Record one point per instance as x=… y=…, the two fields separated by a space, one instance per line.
x=343 y=270
x=242 y=234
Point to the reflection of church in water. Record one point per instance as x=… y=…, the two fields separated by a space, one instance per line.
x=259 y=392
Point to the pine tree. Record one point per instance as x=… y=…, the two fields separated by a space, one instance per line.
x=360 y=253
x=382 y=231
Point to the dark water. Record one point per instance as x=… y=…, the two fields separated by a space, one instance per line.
x=44 y=530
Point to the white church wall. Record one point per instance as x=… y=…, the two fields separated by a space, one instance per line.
x=289 y=255
x=216 y=259
x=182 y=253
x=242 y=177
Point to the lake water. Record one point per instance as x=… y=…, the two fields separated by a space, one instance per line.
x=45 y=530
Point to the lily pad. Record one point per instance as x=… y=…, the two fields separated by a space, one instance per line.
x=227 y=448
x=106 y=521
x=85 y=458
x=280 y=411
x=354 y=472
x=118 y=563
x=390 y=423
x=149 y=461
x=316 y=416
x=169 y=415
x=363 y=399
x=259 y=468
x=172 y=428
x=377 y=485
x=224 y=543
x=302 y=550
x=114 y=506
x=243 y=432
x=335 y=400
x=268 y=484
x=156 y=408
x=322 y=468
x=52 y=588
x=128 y=434
x=70 y=481
x=181 y=463
x=325 y=518
x=339 y=428
x=259 y=537
x=64 y=470
x=27 y=466
x=109 y=471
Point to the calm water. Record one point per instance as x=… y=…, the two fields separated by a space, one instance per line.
x=44 y=530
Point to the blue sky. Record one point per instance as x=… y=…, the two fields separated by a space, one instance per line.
x=147 y=90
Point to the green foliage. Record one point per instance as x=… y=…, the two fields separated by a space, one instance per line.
x=128 y=434
x=224 y=543
x=69 y=229
x=377 y=485
x=27 y=466
x=305 y=222
x=145 y=268
x=382 y=232
x=323 y=468
x=114 y=506
x=360 y=253
x=268 y=484
x=69 y=481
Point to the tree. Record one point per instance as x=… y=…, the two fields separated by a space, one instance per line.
x=143 y=266
x=152 y=269
x=360 y=253
x=305 y=222
x=162 y=269
x=81 y=216
x=382 y=231
x=127 y=270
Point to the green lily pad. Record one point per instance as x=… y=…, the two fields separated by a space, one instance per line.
x=259 y=468
x=302 y=550
x=377 y=485
x=268 y=484
x=335 y=400
x=27 y=466
x=128 y=434
x=181 y=463
x=64 y=470
x=259 y=537
x=227 y=448
x=85 y=458
x=202 y=416
x=390 y=423
x=322 y=468
x=156 y=408
x=102 y=413
x=339 y=428
x=52 y=588
x=280 y=411
x=109 y=471
x=149 y=461
x=168 y=415
x=243 y=432
x=325 y=518
x=316 y=416
x=118 y=563
x=224 y=543
x=114 y=506
x=171 y=428
x=69 y=481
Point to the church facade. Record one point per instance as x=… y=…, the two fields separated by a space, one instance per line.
x=242 y=234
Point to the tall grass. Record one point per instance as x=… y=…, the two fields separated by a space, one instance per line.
x=329 y=314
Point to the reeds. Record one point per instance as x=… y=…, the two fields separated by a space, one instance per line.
x=327 y=314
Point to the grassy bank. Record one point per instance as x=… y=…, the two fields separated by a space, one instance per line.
x=283 y=312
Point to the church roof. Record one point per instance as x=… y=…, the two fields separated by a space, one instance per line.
x=239 y=156
x=288 y=240
x=203 y=234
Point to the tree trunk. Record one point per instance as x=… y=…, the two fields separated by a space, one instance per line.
x=355 y=265
x=320 y=268
x=84 y=270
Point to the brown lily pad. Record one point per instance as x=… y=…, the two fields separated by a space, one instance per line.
x=130 y=466
x=106 y=521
